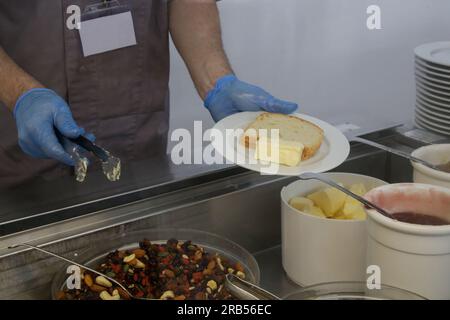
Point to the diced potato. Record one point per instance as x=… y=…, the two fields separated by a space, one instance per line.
x=330 y=200
x=316 y=211
x=307 y=206
x=301 y=203
x=360 y=215
x=332 y=203
x=358 y=189
x=354 y=211
x=340 y=215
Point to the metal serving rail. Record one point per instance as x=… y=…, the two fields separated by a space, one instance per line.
x=239 y=205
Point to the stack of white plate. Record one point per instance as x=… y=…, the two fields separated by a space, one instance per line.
x=433 y=86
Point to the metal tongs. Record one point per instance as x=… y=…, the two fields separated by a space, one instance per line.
x=110 y=164
x=245 y=290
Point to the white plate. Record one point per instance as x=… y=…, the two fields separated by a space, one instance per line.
x=431 y=127
x=434 y=85
x=432 y=90
x=433 y=73
x=433 y=97
x=334 y=150
x=437 y=52
x=433 y=108
x=432 y=80
x=432 y=66
x=432 y=113
x=431 y=122
x=437 y=118
x=427 y=124
x=440 y=80
x=423 y=98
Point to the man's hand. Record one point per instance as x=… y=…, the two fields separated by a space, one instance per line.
x=38 y=112
x=230 y=95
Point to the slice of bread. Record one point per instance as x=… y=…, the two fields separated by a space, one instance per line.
x=291 y=130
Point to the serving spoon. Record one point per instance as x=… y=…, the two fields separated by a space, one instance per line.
x=79 y=265
x=324 y=179
x=445 y=167
x=239 y=288
x=245 y=290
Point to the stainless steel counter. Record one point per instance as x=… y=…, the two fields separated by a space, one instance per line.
x=244 y=207
x=273 y=277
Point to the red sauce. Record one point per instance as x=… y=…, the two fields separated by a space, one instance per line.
x=417 y=218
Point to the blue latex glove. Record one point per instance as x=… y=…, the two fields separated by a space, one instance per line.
x=37 y=113
x=230 y=95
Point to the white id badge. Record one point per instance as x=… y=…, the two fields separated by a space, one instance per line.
x=106 y=27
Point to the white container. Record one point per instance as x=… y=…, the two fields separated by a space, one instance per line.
x=411 y=256
x=436 y=154
x=317 y=250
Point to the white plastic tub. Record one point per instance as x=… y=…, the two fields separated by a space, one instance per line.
x=411 y=256
x=436 y=154
x=317 y=250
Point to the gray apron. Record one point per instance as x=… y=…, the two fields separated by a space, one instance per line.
x=121 y=96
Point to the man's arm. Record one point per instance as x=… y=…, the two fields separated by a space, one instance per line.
x=195 y=30
x=13 y=81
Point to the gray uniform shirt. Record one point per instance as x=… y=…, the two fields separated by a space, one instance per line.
x=121 y=96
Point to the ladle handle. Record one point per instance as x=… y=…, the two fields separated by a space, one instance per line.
x=394 y=151
x=71 y=262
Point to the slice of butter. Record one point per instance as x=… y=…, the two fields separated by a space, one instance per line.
x=288 y=153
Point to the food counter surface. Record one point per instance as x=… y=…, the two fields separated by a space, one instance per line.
x=273 y=277
x=227 y=207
